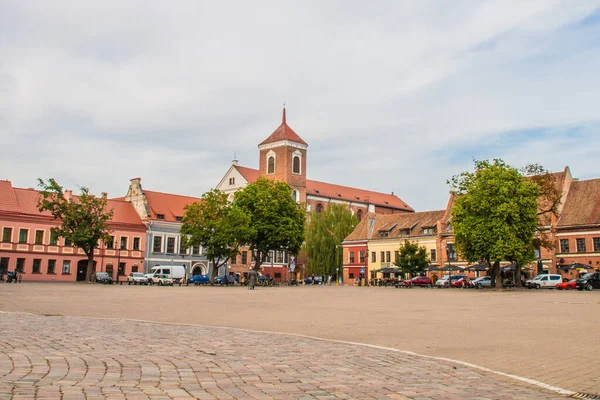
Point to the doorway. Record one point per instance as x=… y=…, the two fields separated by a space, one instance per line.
x=81 y=269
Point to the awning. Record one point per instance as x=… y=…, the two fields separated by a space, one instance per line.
x=388 y=271
x=431 y=268
x=450 y=268
x=577 y=266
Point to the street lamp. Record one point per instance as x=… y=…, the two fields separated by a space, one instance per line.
x=337 y=277
x=448 y=247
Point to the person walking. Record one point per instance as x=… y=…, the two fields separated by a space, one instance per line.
x=251 y=279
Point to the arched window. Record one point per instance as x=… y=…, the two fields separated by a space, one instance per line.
x=359 y=214
x=294 y=195
x=319 y=208
x=271 y=166
x=296 y=165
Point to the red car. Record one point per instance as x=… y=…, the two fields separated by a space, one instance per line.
x=462 y=282
x=566 y=285
x=419 y=281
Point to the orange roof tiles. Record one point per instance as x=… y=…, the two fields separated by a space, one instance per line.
x=283 y=132
x=169 y=205
x=250 y=174
x=582 y=206
x=8 y=200
x=394 y=224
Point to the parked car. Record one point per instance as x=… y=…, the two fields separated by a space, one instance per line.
x=137 y=278
x=443 y=281
x=104 y=277
x=419 y=281
x=482 y=281
x=589 y=281
x=567 y=285
x=161 y=280
x=546 y=281
x=461 y=282
x=199 y=280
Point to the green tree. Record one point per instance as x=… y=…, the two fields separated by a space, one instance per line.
x=276 y=221
x=84 y=219
x=216 y=226
x=494 y=217
x=324 y=235
x=412 y=258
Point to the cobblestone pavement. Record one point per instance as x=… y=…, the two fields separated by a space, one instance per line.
x=54 y=357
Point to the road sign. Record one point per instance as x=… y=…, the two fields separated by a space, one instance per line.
x=362 y=270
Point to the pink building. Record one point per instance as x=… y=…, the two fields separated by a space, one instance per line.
x=27 y=245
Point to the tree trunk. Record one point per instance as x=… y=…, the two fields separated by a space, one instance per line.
x=497 y=275
x=213 y=273
x=90 y=267
x=518 y=273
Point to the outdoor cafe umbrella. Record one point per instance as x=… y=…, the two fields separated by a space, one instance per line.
x=574 y=266
x=389 y=271
x=477 y=267
x=451 y=268
x=431 y=268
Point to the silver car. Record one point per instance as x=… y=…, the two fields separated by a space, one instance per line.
x=482 y=281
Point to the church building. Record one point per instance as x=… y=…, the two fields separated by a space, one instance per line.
x=283 y=156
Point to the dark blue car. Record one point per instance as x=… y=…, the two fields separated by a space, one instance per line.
x=199 y=280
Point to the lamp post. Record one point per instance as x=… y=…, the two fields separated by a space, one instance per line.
x=337 y=277
x=448 y=257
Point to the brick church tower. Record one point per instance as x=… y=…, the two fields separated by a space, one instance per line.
x=283 y=157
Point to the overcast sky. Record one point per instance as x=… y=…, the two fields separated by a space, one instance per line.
x=390 y=96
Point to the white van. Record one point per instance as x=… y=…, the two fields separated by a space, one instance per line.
x=174 y=272
x=544 y=281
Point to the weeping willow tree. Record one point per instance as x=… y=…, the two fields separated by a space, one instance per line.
x=324 y=235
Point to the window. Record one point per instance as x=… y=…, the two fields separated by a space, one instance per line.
x=123 y=242
x=270 y=257
x=383 y=256
x=134 y=268
x=179 y=219
x=53 y=238
x=396 y=256
x=67 y=242
x=384 y=234
x=279 y=257
x=170 y=245
x=231 y=181
x=66 y=269
x=373 y=256
x=182 y=248
x=39 y=237
x=277 y=275
x=23 y=235
x=271 y=165
x=449 y=228
x=351 y=257
x=294 y=195
x=51 y=267
x=136 y=243
x=359 y=215
x=121 y=268
x=160 y=216
x=450 y=252
x=432 y=254
x=388 y=257
x=244 y=257
x=428 y=231
x=6 y=234
x=351 y=276
x=404 y=232
x=580 y=245
x=319 y=208
x=157 y=244
x=596 y=244
x=196 y=250
x=110 y=244
x=37 y=264
x=564 y=245
x=4 y=264
x=296 y=165
x=362 y=256
x=20 y=264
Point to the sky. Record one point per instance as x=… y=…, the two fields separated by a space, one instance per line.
x=391 y=96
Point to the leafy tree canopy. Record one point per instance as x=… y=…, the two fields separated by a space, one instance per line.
x=216 y=226
x=412 y=258
x=276 y=221
x=324 y=235
x=84 y=219
x=494 y=216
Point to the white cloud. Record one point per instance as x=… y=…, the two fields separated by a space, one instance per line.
x=386 y=94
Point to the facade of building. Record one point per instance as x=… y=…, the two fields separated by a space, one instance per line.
x=283 y=156
x=28 y=246
x=162 y=214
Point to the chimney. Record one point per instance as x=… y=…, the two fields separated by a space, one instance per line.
x=135 y=181
x=68 y=195
x=104 y=195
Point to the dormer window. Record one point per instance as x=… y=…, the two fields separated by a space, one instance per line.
x=384 y=234
x=178 y=218
x=271 y=165
x=405 y=232
x=429 y=231
x=160 y=216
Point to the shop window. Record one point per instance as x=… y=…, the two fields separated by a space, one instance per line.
x=66 y=267
x=351 y=275
x=121 y=268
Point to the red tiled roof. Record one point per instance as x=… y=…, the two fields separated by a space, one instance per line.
x=250 y=174
x=28 y=201
x=582 y=206
x=333 y=191
x=8 y=200
x=169 y=205
x=283 y=132
x=123 y=212
x=393 y=224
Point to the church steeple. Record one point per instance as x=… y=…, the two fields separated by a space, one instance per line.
x=283 y=117
x=283 y=133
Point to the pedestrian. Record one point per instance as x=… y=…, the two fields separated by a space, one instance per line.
x=329 y=280
x=251 y=279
